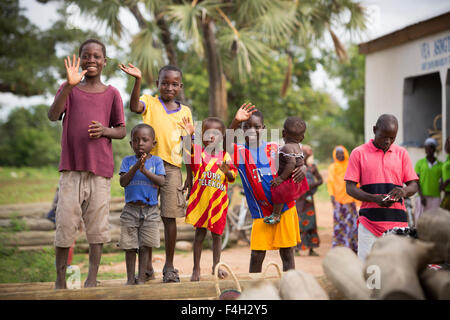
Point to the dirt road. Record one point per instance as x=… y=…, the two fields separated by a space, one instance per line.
x=238 y=257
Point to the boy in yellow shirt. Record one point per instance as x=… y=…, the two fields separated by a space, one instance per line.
x=164 y=113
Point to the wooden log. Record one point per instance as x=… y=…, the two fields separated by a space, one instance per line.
x=38 y=286
x=116 y=206
x=246 y=280
x=300 y=285
x=35 y=238
x=436 y=284
x=154 y=291
x=36 y=210
x=345 y=271
x=434 y=225
x=40 y=209
x=397 y=261
x=117 y=199
x=29 y=224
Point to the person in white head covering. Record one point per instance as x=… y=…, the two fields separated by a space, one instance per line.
x=429 y=170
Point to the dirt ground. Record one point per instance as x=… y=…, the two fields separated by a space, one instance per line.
x=238 y=256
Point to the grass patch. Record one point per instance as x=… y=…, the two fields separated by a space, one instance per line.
x=26 y=266
x=26 y=184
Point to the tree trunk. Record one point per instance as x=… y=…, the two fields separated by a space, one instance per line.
x=218 y=106
x=165 y=38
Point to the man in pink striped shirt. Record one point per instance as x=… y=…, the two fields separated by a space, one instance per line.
x=386 y=176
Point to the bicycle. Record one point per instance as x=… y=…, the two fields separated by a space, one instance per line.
x=239 y=222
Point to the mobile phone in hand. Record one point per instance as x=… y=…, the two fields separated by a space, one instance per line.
x=389 y=198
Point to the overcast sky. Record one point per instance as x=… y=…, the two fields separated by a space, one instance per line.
x=385 y=17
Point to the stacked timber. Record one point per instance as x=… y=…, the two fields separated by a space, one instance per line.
x=153 y=289
x=37 y=232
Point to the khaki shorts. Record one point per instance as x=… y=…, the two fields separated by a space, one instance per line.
x=85 y=197
x=173 y=202
x=139 y=226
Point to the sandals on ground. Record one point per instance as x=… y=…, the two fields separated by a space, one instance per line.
x=170 y=275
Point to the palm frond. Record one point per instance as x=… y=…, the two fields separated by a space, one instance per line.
x=105 y=12
x=338 y=46
x=145 y=55
x=156 y=5
x=278 y=23
x=240 y=53
x=187 y=18
x=249 y=10
x=108 y=12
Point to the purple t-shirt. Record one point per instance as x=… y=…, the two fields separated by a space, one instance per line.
x=78 y=151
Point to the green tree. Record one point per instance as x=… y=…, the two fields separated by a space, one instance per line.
x=26 y=50
x=29 y=139
x=352 y=76
x=230 y=37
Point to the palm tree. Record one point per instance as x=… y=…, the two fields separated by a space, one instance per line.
x=229 y=35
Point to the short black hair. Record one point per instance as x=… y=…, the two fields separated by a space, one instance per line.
x=170 y=67
x=142 y=126
x=294 y=125
x=386 y=120
x=92 y=40
x=258 y=114
x=214 y=119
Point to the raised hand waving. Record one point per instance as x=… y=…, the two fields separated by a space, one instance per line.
x=74 y=75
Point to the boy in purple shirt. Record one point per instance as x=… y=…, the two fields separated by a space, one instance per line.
x=93 y=115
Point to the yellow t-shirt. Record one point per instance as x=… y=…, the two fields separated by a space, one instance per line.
x=168 y=132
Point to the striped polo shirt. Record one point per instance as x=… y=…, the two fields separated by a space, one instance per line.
x=378 y=173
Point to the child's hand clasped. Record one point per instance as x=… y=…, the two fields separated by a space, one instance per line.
x=131 y=70
x=142 y=160
x=96 y=130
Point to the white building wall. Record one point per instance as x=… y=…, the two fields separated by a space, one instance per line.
x=386 y=71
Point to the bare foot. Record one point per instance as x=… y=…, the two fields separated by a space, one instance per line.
x=60 y=284
x=195 y=275
x=150 y=275
x=222 y=274
x=90 y=284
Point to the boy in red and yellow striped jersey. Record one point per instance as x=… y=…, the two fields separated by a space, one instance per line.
x=212 y=169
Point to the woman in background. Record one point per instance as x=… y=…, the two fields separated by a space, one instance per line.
x=345 y=214
x=305 y=206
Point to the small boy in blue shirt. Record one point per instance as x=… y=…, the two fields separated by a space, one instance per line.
x=140 y=175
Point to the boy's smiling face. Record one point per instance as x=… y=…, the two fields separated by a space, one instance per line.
x=142 y=141
x=169 y=84
x=92 y=59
